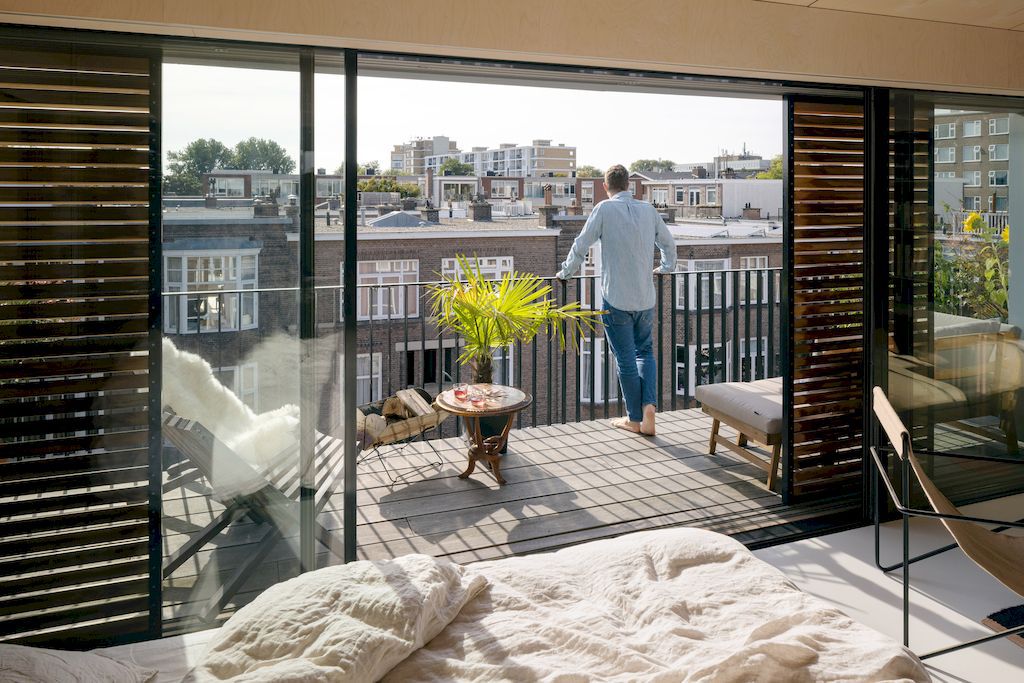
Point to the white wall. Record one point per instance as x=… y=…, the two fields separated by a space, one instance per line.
x=948 y=191
x=761 y=194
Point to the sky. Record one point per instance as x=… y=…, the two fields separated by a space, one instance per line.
x=231 y=104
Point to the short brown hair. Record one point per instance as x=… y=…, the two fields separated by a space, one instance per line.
x=616 y=178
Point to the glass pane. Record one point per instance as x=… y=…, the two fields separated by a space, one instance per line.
x=229 y=120
x=956 y=360
x=507 y=199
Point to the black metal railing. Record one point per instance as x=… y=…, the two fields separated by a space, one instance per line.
x=710 y=326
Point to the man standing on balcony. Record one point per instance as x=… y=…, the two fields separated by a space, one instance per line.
x=628 y=230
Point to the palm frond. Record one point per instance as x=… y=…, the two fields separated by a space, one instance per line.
x=494 y=314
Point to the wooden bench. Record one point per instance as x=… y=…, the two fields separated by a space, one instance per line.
x=754 y=410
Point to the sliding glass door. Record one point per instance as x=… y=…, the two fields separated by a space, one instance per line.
x=955 y=355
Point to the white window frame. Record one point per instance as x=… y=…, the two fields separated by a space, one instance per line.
x=243 y=383
x=748 y=349
x=950 y=130
x=587 y=191
x=992 y=178
x=945 y=174
x=400 y=272
x=972 y=153
x=997 y=198
x=368 y=377
x=491 y=267
x=222 y=188
x=951 y=153
x=723 y=366
x=590 y=271
x=972 y=178
x=711 y=195
x=713 y=287
x=328 y=187
x=972 y=203
x=972 y=125
x=236 y=304
x=759 y=262
x=659 y=195
x=994 y=126
x=585 y=364
x=504 y=189
x=680 y=195
x=994 y=149
x=693 y=196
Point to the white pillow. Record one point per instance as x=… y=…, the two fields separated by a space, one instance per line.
x=352 y=622
x=21 y=664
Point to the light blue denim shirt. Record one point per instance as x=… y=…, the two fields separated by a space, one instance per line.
x=629 y=230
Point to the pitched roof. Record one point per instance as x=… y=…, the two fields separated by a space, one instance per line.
x=663 y=175
x=397 y=219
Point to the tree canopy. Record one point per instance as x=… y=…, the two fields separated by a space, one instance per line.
x=260 y=154
x=186 y=166
x=453 y=166
x=774 y=171
x=652 y=165
x=388 y=184
x=363 y=168
x=587 y=171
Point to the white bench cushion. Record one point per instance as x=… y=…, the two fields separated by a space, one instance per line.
x=758 y=403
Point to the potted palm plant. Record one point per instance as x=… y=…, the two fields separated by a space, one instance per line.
x=493 y=314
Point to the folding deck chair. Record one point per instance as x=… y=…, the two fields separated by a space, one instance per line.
x=1001 y=555
x=266 y=495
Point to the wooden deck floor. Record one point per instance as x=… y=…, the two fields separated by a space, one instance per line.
x=565 y=484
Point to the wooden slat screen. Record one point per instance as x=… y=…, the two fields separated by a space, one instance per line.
x=911 y=161
x=827 y=248
x=74 y=281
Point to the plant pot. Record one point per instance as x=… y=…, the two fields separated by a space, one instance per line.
x=493 y=426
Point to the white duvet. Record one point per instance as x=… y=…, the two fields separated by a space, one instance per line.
x=669 y=605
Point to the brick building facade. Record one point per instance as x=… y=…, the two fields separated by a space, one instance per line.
x=706 y=332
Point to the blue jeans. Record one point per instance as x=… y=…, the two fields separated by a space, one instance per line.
x=629 y=335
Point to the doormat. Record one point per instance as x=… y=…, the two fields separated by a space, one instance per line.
x=1006 y=619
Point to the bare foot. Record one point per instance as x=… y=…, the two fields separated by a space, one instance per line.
x=624 y=423
x=647 y=426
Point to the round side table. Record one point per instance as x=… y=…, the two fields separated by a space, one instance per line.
x=498 y=401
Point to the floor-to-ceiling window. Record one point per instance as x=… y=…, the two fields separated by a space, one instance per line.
x=955 y=356
x=259 y=187
x=231 y=394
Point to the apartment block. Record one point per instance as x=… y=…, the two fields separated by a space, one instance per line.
x=975 y=146
x=539 y=158
x=410 y=157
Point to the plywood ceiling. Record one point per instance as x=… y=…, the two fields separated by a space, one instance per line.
x=1005 y=14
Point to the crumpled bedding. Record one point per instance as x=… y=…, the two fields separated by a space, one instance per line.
x=669 y=605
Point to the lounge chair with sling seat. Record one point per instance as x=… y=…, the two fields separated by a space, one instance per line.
x=999 y=554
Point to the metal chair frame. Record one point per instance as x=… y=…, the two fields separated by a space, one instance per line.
x=902 y=505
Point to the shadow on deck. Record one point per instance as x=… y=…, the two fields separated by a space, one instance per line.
x=566 y=484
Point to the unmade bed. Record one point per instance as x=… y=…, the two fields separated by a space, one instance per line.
x=669 y=605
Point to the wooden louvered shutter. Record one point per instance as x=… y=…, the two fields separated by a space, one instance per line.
x=912 y=240
x=826 y=248
x=75 y=523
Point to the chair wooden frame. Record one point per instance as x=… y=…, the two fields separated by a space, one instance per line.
x=271 y=501
x=746 y=432
x=899 y=438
